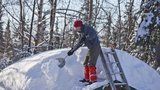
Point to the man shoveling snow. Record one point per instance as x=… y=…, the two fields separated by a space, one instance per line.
x=88 y=36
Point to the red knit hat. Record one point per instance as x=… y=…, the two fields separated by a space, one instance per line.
x=78 y=23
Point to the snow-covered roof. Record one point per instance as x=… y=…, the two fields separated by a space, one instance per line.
x=41 y=72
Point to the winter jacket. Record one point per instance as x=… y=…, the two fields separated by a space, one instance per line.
x=88 y=36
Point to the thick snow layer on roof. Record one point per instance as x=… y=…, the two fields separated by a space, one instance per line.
x=41 y=72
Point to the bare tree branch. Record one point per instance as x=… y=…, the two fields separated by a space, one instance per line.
x=10 y=14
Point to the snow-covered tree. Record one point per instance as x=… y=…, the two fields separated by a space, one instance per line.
x=40 y=32
x=8 y=48
x=1 y=31
x=7 y=54
x=128 y=26
x=4 y=62
x=107 y=37
x=148 y=33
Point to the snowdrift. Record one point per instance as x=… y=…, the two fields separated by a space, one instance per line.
x=41 y=72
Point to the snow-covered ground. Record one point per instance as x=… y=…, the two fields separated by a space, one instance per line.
x=41 y=72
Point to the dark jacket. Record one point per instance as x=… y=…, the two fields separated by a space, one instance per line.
x=88 y=36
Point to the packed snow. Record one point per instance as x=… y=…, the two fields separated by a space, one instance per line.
x=41 y=72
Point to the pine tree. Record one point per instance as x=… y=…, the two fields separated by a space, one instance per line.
x=129 y=27
x=107 y=37
x=148 y=34
x=8 y=41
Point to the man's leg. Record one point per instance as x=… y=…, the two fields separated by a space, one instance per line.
x=86 y=69
x=93 y=54
x=85 y=63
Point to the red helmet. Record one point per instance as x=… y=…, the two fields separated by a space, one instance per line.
x=78 y=23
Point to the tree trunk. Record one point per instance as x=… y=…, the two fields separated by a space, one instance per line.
x=22 y=22
x=157 y=49
x=8 y=41
x=52 y=20
x=157 y=55
x=131 y=25
x=1 y=31
x=97 y=10
x=39 y=25
x=30 y=36
x=90 y=2
x=120 y=26
x=108 y=33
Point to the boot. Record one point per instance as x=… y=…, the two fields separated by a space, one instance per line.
x=86 y=74
x=92 y=74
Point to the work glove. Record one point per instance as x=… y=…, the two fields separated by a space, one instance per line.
x=70 y=53
x=83 y=38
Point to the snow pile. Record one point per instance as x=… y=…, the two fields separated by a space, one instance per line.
x=41 y=72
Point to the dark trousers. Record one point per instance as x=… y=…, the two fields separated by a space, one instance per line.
x=92 y=56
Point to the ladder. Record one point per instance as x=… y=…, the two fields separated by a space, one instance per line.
x=109 y=70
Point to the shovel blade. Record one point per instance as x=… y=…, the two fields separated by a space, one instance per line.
x=61 y=62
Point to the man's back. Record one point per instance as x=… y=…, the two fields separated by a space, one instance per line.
x=90 y=35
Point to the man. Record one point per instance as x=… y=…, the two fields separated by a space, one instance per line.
x=88 y=36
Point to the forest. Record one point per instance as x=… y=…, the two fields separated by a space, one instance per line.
x=29 y=27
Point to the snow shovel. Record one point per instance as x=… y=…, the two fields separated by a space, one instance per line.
x=61 y=61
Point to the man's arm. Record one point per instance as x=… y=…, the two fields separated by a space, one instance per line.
x=79 y=44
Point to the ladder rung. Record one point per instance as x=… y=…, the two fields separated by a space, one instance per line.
x=109 y=52
x=120 y=84
x=111 y=73
x=116 y=73
x=112 y=62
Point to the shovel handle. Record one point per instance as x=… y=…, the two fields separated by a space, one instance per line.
x=65 y=56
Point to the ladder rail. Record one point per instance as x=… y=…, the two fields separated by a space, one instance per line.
x=106 y=68
x=120 y=68
x=109 y=63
